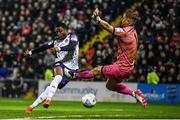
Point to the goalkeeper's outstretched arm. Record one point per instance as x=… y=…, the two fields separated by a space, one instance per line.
x=105 y=25
x=111 y=29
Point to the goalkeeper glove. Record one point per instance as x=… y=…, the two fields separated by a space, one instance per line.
x=95 y=15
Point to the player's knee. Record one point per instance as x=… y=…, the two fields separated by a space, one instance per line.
x=58 y=70
x=110 y=87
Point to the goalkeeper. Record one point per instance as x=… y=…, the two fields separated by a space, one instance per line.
x=126 y=58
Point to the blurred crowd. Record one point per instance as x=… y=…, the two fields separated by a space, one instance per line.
x=26 y=24
x=159 y=41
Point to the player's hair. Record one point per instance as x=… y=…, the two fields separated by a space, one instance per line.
x=63 y=25
x=133 y=15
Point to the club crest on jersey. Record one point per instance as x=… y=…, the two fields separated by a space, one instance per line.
x=107 y=69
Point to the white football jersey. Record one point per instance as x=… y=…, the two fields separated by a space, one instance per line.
x=68 y=58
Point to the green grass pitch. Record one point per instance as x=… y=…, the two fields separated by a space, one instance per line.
x=15 y=109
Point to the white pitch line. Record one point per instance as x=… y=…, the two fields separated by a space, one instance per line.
x=18 y=119
x=82 y=116
x=99 y=110
x=70 y=116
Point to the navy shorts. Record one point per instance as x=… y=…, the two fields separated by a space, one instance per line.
x=64 y=80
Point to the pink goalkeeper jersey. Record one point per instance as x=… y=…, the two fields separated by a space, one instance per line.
x=127 y=48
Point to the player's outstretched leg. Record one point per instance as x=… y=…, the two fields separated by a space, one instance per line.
x=39 y=100
x=80 y=75
x=140 y=97
x=121 y=88
x=52 y=90
x=128 y=91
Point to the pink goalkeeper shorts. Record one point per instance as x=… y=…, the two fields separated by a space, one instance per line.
x=116 y=72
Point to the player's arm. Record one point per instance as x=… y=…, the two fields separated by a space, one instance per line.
x=105 y=25
x=70 y=47
x=40 y=49
x=115 y=31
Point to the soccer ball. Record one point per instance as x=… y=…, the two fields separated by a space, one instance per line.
x=89 y=100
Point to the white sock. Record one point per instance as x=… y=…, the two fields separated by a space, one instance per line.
x=133 y=94
x=53 y=86
x=41 y=98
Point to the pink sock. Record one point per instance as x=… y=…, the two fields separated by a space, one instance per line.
x=123 y=89
x=84 y=74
